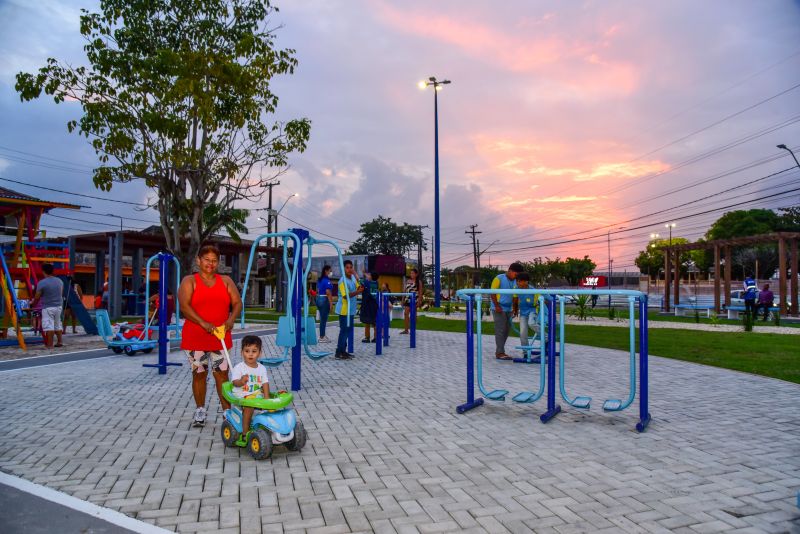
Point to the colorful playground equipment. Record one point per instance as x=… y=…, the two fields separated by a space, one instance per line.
x=383 y=320
x=296 y=328
x=548 y=299
x=121 y=340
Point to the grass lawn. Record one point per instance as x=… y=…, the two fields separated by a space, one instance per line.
x=776 y=356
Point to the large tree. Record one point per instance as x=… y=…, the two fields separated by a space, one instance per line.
x=177 y=93
x=762 y=259
x=384 y=236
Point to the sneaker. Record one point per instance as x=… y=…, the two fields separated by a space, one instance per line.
x=365 y=340
x=324 y=339
x=348 y=356
x=199 y=417
x=374 y=340
x=340 y=355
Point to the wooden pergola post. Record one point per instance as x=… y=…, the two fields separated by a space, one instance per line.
x=782 y=276
x=728 y=265
x=667 y=268
x=795 y=294
x=676 y=280
x=717 y=281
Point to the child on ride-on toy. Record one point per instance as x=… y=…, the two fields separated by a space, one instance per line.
x=250 y=379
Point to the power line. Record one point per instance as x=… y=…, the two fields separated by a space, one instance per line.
x=653 y=223
x=71 y=193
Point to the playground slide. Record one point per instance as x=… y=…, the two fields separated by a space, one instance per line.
x=80 y=311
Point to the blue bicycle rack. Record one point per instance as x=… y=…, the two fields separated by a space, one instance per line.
x=548 y=340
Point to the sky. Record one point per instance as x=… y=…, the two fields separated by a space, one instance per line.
x=569 y=128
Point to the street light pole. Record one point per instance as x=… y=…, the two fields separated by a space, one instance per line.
x=275 y=215
x=437 y=267
x=784 y=147
x=118 y=217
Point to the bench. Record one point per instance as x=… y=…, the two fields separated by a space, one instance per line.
x=680 y=308
x=734 y=311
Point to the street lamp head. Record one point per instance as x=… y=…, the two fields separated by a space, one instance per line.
x=433 y=79
x=422 y=84
x=445 y=81
x=783 y=147
x=438 y=87
x=670 y=225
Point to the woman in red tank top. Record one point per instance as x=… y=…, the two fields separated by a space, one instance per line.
x=207 y=300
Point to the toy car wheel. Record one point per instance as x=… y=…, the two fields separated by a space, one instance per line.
x=148 y=350
x=129 y=351
x=260 y=444
x=117 y=350
x=299 y=439
x=229 y=434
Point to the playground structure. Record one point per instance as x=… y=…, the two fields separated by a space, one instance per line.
x=383 y=320
x=21 y=262
x=548 y=369
x=296 y=328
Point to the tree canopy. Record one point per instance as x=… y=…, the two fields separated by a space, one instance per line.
x=384 y=236
x=177 y=93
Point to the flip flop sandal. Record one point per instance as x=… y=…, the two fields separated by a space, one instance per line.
x=503 y=357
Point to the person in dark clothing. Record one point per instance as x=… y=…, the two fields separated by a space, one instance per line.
x=369 y=304
x=765 y=299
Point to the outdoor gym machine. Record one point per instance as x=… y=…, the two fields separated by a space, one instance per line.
x=164 y=260
x=383 y=320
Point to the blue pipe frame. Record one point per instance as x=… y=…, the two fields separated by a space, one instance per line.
x=472 y=296
x=164 y=260
x=294 y=309
x=384 y=319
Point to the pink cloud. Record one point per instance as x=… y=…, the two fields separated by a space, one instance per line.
x=583 y=66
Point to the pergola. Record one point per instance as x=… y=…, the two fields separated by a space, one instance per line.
x=787 y=242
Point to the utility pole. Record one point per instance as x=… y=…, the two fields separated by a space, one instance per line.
x=270 y=213
x=474 y=245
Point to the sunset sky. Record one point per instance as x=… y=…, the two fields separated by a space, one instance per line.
x=564 y=120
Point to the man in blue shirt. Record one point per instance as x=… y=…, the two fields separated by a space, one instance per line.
x=348 y=285
x=502 y=308
x=750 y=294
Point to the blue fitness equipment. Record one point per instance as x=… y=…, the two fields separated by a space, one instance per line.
x=309 y=323
x=173 y=327
x=285 y=336
x=531 y=349
x=581 y=402
x=383 y=320
x=473 y=297
x=528 y=396
x=291 y=329
x=164 y=260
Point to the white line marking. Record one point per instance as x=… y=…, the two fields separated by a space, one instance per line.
x=57 y=363
x=105 y=514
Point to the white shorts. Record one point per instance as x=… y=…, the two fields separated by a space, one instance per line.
x=51 y=319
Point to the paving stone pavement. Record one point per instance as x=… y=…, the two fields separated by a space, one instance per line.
x=388 y=453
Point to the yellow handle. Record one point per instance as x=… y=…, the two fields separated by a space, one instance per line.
x=219 y=332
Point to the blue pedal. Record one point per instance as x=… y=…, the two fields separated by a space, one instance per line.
x=612 y=405
x=497 y=395
x=272 y=362
x=525 y=396
x=538 y=359
x=582 y=402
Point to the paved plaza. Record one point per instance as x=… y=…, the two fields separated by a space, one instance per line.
x=388 y=453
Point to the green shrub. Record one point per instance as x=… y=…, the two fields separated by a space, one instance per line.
x=581 y=309
x=612 y=313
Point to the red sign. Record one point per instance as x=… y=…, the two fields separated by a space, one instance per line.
x=594 y=281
